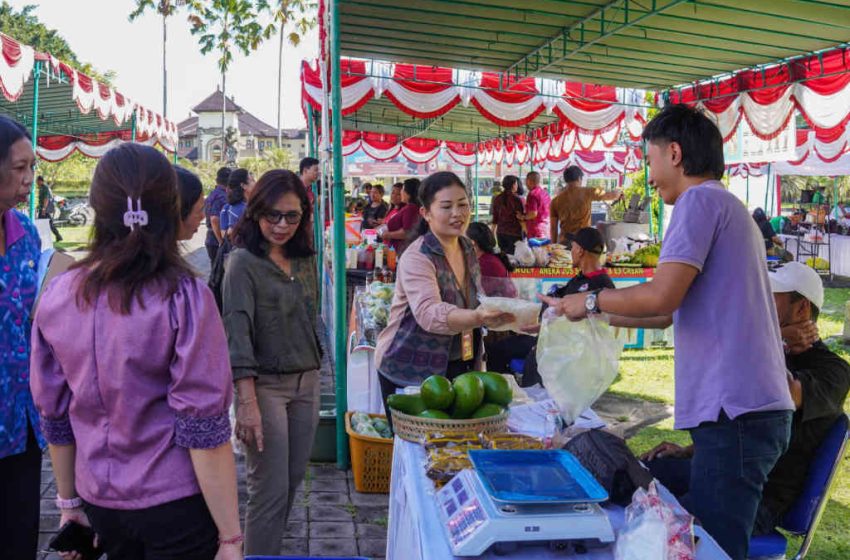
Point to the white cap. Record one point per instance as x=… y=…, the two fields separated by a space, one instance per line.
x=797 y=277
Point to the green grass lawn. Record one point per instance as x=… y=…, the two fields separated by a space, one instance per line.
x=73 y=238
x=648 y=374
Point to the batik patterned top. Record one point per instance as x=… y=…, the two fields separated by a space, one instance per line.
x=18 y=287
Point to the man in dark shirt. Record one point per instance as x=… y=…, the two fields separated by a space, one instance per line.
x=587 y=246
x=818 y=380
x=47 y=205
x=212 y=210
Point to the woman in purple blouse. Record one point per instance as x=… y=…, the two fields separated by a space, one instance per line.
x=20 y=438
x=131 y=376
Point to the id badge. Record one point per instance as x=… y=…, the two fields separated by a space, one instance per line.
x=466 y=346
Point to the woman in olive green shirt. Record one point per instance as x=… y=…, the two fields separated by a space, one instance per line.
x=269 y=307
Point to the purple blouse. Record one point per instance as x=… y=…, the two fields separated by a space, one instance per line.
x=134 y=392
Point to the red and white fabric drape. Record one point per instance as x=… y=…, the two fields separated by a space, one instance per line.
x=17 y=62
x=817 y=154
x=58 y=147
x=818 y=86
x=428 y=92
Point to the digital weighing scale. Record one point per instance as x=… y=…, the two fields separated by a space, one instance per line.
x=522 y=496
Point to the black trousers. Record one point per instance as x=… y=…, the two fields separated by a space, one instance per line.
x=20 y=501
x=507 y=242
x=212 y=251
x=178 y=530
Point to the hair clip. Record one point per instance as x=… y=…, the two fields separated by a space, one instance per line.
x=132 y=218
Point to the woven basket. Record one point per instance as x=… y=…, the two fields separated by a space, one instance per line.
x=414 y=428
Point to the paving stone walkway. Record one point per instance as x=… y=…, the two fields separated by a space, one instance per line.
x=329 y=518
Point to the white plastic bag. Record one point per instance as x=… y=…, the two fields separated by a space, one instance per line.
x=523 y=253
x=655 y=528
x=525 y=312
x=577 y=361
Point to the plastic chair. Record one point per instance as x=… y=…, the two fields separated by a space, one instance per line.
x=517 y=365
x=805 y=513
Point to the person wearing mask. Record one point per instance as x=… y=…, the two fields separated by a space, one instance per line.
x=505 y=211
x=435 y=322
x=131 y=378
x=191 y=202
x=376 y=210
x=395 y=231
x=495 y=266
x=586 y=249
x=731 y=391
x=47 y=205
x=239 y=188
x=536 y=215
x=396 y=203
x=270 y=302
x=20 y=435
x=571 y=209
x=819 y=380
x=213 y=206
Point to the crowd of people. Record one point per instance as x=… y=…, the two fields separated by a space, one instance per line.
x=131 y=365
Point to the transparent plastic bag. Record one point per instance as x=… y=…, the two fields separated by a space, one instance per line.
x=655 y=528
x=523 y=253
x=525 y=312
x=577 y=361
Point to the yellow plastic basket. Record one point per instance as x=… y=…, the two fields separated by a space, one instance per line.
x=371 y=459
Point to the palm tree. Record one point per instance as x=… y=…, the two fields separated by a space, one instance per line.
x=302 y=15
x=164 y=8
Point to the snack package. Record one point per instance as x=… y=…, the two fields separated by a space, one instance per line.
x=525 y=312
x=511 y=441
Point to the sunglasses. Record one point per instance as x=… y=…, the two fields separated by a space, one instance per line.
x=274 y=217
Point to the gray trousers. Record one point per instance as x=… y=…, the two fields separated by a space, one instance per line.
x=289 y=406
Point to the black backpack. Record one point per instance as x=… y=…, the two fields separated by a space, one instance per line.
x=611 y=462
x=216 y=280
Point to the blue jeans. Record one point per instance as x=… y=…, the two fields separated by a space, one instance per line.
x=723 y=486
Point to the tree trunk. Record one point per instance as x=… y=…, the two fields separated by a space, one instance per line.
x=279 y=84
x=164 y=67
x=223 y=111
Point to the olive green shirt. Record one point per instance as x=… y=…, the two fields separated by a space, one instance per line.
x=270 y=317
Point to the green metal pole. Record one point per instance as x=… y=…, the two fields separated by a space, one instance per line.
x=36 y=73
x=834 y=192
x=340 y=327
x=476 y=182
x=646 y=191
x=318 y=221
x=133 y=129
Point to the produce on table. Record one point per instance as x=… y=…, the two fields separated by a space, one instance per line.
x=376 y=305
x=409 y=404
x=365 y=425
x=477 y=394
x=437 y=392
x=648 y=256
x=469 y=394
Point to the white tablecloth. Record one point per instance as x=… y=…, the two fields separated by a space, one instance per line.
x=415 y=532
x=838 y=255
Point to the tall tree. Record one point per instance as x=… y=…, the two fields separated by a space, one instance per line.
x=301 y=16
x=227 y=27
x=165 y=8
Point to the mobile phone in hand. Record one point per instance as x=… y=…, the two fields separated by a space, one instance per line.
x=73 y=537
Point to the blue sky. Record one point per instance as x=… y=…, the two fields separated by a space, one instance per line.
x=100 y=33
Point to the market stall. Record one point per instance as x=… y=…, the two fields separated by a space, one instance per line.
x=75 y=113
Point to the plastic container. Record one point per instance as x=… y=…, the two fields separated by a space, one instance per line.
x=371 y=459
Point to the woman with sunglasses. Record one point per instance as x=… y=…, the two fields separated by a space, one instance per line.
x=270 y=314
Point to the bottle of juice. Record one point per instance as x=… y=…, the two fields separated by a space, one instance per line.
x=391 y=258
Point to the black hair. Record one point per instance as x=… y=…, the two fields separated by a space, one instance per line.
x=573 y=173
x=39 y=178
x=222 y=176
x=531 y=174
x=190 y=188
x=380 y=188
x=10 y=132
x=411 y=187
x=696 y=134
x=797 y=296
x=236 y=191
x=486 y=241
x=429 y=188
x=267 y=192
x=759 y=216
x=307 y=163
x=509 y=181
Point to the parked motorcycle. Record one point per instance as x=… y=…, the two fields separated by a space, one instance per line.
x=76 y=214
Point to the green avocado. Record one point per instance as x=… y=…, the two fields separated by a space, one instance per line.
x=487 y=410
x=469 y=394
x=497 y=390
x=408 y=404
x=434 y=414
x=437 y=393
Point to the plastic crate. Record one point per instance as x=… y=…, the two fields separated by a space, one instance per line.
x=371 y=459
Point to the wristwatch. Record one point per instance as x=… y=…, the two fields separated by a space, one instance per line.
x=591 y=304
